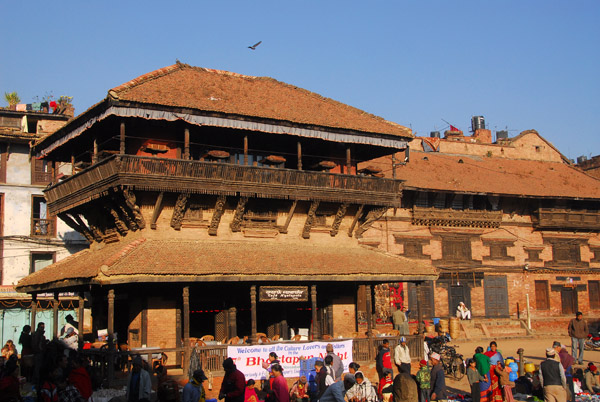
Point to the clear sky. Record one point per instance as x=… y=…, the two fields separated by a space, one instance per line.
x=526 y=64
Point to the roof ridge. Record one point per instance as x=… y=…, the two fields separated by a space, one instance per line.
x=152 y=75
x=123 y=252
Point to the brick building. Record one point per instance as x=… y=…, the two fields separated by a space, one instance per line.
x=30 y=239
x=223 y=204
x=502 y=222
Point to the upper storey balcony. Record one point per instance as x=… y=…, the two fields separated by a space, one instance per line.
x=201 y=177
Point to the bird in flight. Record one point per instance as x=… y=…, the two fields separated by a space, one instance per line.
x=253 y=47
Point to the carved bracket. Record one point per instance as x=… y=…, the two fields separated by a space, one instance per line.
x=135 y=210
x=216 y=218
x=284 y=229
x=310 y=219
x=120 y=225
x=337 y=221
x=238 y=217
x=179 y=211
x=372 y=216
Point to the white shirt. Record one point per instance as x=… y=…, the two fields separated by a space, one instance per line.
x=401 y=354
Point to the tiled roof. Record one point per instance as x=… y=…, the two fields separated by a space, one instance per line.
x=178 y=260
x=181 y=85
x=472 y=174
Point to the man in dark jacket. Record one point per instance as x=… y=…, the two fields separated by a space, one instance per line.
x=578 y=331
x=383 y=359
x=552 y=378
x=233 y=387
x=338 y=366
x=438 y=379
x=320 y=380
x=405 y=387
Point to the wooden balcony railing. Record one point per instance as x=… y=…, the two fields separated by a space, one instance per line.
x=177 y=175
x=551 y=218
x=42 y=227
x=453 y=217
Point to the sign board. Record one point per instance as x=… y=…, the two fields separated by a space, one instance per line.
x=249 y=359
x=283 y=293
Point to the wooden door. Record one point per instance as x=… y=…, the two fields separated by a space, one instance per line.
x=568 y=298
x=496 y=296
x=457 y=294
x=542 y=298
x=425 y=300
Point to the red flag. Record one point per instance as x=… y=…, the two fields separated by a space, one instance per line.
x=452 y=128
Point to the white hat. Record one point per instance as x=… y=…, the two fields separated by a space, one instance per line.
x=550 y=352
x=434 y=356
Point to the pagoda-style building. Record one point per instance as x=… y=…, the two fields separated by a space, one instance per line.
x=223 y=204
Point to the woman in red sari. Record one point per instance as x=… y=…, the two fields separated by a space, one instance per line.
x=495 y=357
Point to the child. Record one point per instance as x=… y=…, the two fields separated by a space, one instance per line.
x=474 y=378
x=299 y=391
x=386 y=385
x=424 y=381
x=250 y=395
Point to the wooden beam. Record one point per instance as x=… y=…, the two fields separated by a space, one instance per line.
x=337 y=220
x=356 y=217
x=55 y=331
x=157 y=207
x=95 y=151
x=253 y=312
x=299 y=155
x=420 y=328
x=80 y=314
x=313 y=311
x=245 y=150
x=186 y=143
x=284 y=229
x=348 y=161
x=368 y=297
x=238 y=216
x=72 y=165
x=178 y=334
x=310 y=219
x=122 y=138
x=232 y=321
x=186 y=328
x=216 y=218
x=33 y=311
x=111 y=333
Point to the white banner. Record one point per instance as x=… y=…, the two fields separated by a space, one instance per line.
x=249 y=359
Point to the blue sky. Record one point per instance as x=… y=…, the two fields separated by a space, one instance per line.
x=521 y=64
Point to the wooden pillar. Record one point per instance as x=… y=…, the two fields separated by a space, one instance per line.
x=80 y=314
x=186 y=329
x=111 y=334
x=330 y=319
x=245 y=150
x=368 y=297
x=33 y=311
x=55 y=331
x=95 y=151
x=299 y=155
x=122 y=138
x=186 y=143
x=72 y=165
x=313 y=310
x=232 y=321
x=253 y=311
x=348 y=160
x=421 y=330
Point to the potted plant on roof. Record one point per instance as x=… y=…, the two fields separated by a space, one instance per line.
x=13 y=99
x=65 y=106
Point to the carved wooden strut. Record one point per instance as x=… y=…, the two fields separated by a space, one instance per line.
x=371 y=217
x=135 y=210
x=179 y=211
x=310 y=219
x=216 y=218
x=337 y=221
x=238 y=217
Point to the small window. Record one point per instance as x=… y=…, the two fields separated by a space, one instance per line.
x=499 y=251
x=538 y=148
x=41 y=224
x=41 y=260
x=566 y=252
x=41 y=171
x=456 y=249
x=594 y=293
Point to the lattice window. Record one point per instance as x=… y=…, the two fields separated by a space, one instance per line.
x=499 y=251
x=42 y=225
x=456 y=249
x=566 y=252
x=42 y=171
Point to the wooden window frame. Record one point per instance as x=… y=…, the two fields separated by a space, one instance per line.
x=32 y=253
x=449 y=243
x=46 y=177
x=3 y=162
x=594 y=298
x=51 y=220
x=499 y=251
